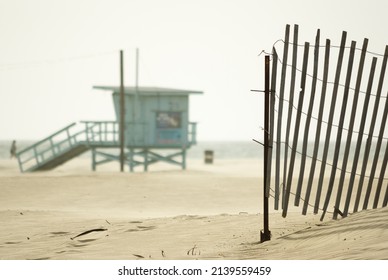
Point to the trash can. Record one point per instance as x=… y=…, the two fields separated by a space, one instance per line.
x=209 y=156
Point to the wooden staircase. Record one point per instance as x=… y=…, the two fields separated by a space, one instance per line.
x=62 y=158
x=68 y=143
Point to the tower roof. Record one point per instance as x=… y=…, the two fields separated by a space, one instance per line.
x=150 y=91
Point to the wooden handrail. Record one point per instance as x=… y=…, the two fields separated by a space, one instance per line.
x=45 y=139
x=91 y=130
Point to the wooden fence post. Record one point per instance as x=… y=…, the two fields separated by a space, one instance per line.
x=266 y=234
x=271 y=116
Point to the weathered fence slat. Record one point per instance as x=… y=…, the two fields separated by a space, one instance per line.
x=336 y=156
x=376 y=157
x=350 y=129
x=319 y=126
x=290 y=103
x=340 y=130
x=368 y=141
x=330 y=121
x=383 y=120
x=271 y=117
x=280 y=114
x=308 y=120
x=386 y=195
x=360 y=135
x=381 y=177
x=297 y=125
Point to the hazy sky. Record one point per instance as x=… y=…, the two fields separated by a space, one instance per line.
x=53 y=52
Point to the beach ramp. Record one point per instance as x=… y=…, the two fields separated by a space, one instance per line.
x=68 y=143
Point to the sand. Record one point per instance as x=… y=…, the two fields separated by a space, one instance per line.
x=206 y=212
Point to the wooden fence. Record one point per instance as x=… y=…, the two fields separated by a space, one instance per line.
x=328 y=131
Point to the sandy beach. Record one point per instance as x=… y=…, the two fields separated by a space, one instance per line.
x=206 y=212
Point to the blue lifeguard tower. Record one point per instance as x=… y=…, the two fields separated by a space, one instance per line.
x=157 y=128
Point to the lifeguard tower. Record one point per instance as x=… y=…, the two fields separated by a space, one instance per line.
x=157 y=128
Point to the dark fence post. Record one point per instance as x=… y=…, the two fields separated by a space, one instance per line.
x=266 y=234
x=271 y=116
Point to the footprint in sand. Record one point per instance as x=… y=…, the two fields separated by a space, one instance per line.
x=59 y=233
x=12 y=242
x=86 y=240
x=144 y=228
x=132 y=230
x=141 y=228
x=60 y=252
x=79 y=245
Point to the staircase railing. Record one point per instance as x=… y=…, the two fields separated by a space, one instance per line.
x=92 y=134
x=103 y=133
